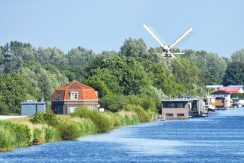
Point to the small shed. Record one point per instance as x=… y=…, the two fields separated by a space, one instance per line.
x=31 y=107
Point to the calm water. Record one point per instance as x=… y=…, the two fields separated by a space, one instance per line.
x=217 y=138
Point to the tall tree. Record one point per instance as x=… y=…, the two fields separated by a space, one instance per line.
x=212 y=66
x=234 y=74
x=133 y=47
x=238 y=56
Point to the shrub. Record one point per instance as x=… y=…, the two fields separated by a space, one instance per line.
x=49 y=118
x=145 y=102
x=114 y=118
x=69 y=130
x=100 y=120
x=38 y=118
x=87 y=126
x=38 y=134
x=21 y=132
x=7 y=139
x=51 y=134
x=128 y=118
x=144 y=116
x=112 y=103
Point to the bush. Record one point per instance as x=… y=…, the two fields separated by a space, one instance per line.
x=23 y=134
x=20 y=131
x=128 y=118
x=87 y=126
x=69 y=130
x=144 y=116
x=114 y=118
x=116 y=103
x=51 y=134
x=38 y=135
x=112 y=103
x=100 y=120
x=7 y=139
x=38 y=118
x=145 y=102
x=49 y=118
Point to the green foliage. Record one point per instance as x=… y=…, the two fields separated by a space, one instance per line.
x=101 y=121
x=144 y=116
x=38 y=134
x=128 y=118
x=118 y=103
x=98 y=85
x=44 y=80
x=163 y=79
x=80 y=56
x=212 y=66
x=7 y=139
x=51 y=134
x=69 y=130
x=145 y=102
x=21 y=132
x=234 y=74
x=188 y=76
x=238 y=56
x=49 y=118
x=133 y=47
x=238 y=95
x=113 y=103
x=87 y=126
x=13 y=90
x=122 y=75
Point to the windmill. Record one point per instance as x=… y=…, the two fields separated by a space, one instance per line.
x=166 y=49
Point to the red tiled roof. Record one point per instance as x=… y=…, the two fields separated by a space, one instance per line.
x=230 y=89
x=84 y=92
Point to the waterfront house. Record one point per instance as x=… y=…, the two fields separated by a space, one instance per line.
x=175 y=109
x=30 y=107
x=223 y=95
x=72 y=95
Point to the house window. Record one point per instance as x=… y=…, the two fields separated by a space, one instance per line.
x=169 y=115
x=58 y=97
x=74 y=95
x=180 y=114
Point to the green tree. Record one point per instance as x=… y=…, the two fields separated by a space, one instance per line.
x=124 y=73
x=234 y=74
x=212 y=66
x=13 y=90
x=238 y=56
x=133 y=47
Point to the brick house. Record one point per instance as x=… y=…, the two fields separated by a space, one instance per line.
x=72 y=95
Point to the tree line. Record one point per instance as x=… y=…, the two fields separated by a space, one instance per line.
x=136 y=74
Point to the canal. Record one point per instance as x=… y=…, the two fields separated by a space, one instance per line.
x=217 y=138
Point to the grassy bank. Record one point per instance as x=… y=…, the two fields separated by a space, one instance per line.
x=47 y=127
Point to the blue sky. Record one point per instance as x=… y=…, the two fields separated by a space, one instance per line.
x=218 y=25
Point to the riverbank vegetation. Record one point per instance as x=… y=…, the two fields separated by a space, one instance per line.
x=48 y=127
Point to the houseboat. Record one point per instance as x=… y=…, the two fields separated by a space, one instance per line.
x=198 y=108
x=175 y=109
x=183 y=108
